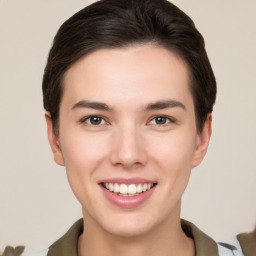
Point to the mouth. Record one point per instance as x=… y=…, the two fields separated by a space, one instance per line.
x=128 y=190
x=128 y=193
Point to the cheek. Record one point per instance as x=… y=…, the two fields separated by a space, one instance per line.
x=174 y=151
x=82 y=157
x=174 y=156
x=82 y=151
x=81 y=160
x=178 y=166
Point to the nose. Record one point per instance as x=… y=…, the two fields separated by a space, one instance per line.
x=128 y=148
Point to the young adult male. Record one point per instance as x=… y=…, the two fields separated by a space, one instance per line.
x=128 y=93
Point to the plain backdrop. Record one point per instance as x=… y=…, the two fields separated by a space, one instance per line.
x=36 y=203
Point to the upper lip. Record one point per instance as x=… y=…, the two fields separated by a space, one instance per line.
x=135 y=180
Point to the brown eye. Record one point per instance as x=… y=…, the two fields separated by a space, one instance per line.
x=160 y=120
x=94 y=120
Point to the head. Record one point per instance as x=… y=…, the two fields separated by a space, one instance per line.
x=129 y=91
x=103 y=25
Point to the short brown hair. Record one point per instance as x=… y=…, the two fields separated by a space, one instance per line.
x=120 y=23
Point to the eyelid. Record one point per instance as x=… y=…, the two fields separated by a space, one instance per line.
x=170 y=120
x=84 y=119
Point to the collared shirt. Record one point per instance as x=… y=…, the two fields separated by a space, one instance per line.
x=67 y=245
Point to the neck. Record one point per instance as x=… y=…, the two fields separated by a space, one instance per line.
x=165 y=240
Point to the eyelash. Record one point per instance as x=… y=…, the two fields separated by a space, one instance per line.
x=89 y=118
x=166 y=118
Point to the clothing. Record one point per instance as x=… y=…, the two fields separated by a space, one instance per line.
x=248 y=243
x=232 y=242
x=245 y=243
x=205 y=246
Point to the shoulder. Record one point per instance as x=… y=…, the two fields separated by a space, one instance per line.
x=67 y=244
x=247 y=242
x=205 y=245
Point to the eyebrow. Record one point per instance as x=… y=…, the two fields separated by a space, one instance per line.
x=165 y=104
x=151 y=106
x=93 y=105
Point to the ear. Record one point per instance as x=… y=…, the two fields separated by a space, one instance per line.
x=54 y=142
x=202 y=143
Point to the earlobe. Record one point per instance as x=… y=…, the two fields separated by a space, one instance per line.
x=53 y=140
x=203 y=141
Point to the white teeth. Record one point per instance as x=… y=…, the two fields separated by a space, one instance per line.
x=111 y=187
x=123 y=189
x=128 y=190
x=139 y=188
x=116 y=188
x=145 y=187
x=132 y=189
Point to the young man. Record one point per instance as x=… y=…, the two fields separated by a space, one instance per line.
x=128 y=93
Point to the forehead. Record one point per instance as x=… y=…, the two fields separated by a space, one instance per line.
x=140 y=73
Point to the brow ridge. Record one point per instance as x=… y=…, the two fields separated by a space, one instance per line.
x=164 y=104
x=89 y=104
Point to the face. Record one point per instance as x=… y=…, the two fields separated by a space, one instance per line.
x=128 y=138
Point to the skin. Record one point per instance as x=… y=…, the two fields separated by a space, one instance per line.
x=128 y=142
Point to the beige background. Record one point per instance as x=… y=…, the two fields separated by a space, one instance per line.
x=36 y=204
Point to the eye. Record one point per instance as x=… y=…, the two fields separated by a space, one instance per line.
x=94 y=120
x=160 y=120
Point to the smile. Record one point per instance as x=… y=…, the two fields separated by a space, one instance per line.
x=128 y=189
x=128 y=193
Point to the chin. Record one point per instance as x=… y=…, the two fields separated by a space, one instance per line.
x=128 y=226
x=128 y=231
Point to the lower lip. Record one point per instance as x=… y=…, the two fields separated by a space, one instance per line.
x=128 y=201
